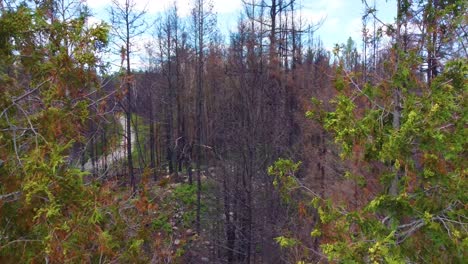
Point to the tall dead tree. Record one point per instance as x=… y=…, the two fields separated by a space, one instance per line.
x=127 y=23
x=204 y=21
x=167 y=47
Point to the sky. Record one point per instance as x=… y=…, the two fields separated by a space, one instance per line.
x=340 y=19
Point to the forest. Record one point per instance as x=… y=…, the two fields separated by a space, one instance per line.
x=164 y=139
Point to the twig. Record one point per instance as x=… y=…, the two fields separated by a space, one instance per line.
x=16 y=100
x=6 y=197
x=20 y=241
x=362 y=92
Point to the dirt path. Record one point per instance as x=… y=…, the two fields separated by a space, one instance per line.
x=118 y=154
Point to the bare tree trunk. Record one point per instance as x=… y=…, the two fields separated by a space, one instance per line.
x=83 y=156
x=396 y=96
x=129 y=118
x=152 y=137
x=432 y=54
x=152 y=148
x=230 y=227
x=93 y=154
x=199 y=107
x=141 y=157
x=273 y=12
x=126 y=23
x=104 y=150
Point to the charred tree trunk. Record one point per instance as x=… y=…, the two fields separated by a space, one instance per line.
x=152 y=138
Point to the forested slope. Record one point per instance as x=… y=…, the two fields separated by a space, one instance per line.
x=261 y=146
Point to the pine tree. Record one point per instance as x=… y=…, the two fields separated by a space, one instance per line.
x=49 y=54
x=411 y=132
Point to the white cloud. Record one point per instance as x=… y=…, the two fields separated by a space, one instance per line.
x=354 y=30
x=323 y=5
x=229 y=6
x=184 y=6
x=94 y=20
x=151 y=6
x=97 y=4
x=313 y=16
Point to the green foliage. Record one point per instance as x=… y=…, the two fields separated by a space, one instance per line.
x=359 y=179
x=135 y=245
x=425 y=154
x=161 y=223
x=315 y=233
x=186 y=197
x=50 y=213
x=285 y=242
x=283 y=171
x=185 y=193
x=412 y=132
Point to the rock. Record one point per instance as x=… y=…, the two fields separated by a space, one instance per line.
x=189 y=232
x=205 y=259
x=174 y=185
x=176 y=242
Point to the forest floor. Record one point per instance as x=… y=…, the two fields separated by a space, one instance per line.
x=160 y=218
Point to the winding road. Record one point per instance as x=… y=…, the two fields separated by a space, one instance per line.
x=118 y=154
